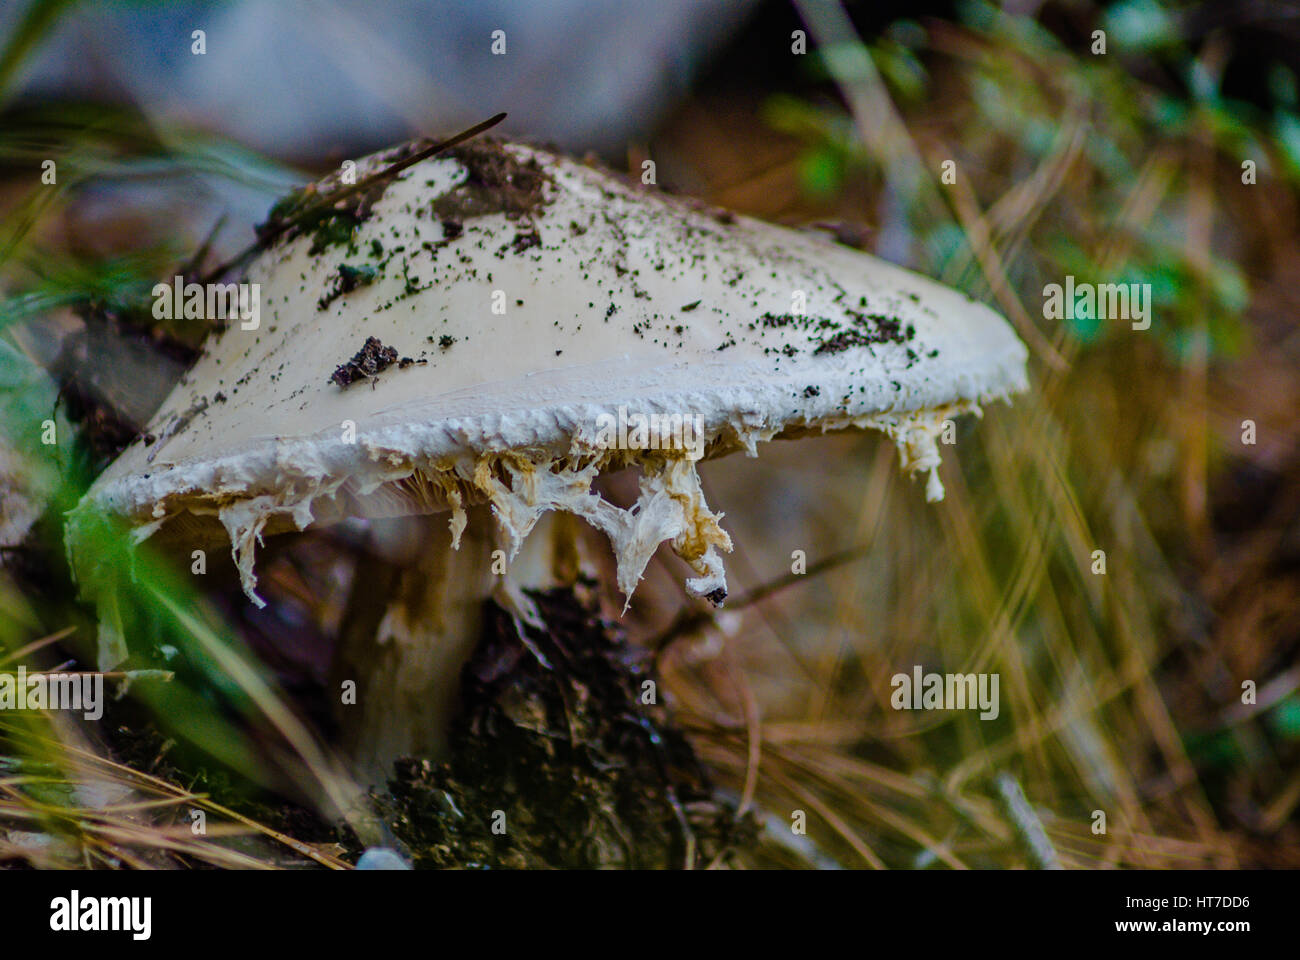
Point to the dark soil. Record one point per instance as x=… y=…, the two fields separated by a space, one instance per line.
x=555 y=747
x=95 y=389
x=498 y=182
x=368 y=362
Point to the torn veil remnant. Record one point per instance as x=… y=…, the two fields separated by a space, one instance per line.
x=547 y=300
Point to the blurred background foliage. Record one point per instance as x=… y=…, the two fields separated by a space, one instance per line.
x=1121 y=691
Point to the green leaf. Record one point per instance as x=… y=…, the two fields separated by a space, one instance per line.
x=1286 y=130
x=1285 y=718
x=1140 y=25
x=901 y=70
x=821 y=172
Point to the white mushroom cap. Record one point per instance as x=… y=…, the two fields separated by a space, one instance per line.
x=614 y=298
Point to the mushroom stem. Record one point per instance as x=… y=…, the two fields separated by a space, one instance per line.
x=413 y=619
x=410 y=624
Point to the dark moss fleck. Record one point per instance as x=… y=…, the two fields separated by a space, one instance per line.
x=345 y=281
x=525 y=240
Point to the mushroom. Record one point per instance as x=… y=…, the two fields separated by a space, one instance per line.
x=499 y=325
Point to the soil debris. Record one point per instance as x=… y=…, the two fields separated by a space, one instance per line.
x=554 y=740
x=369 y=361
x=498 y=182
